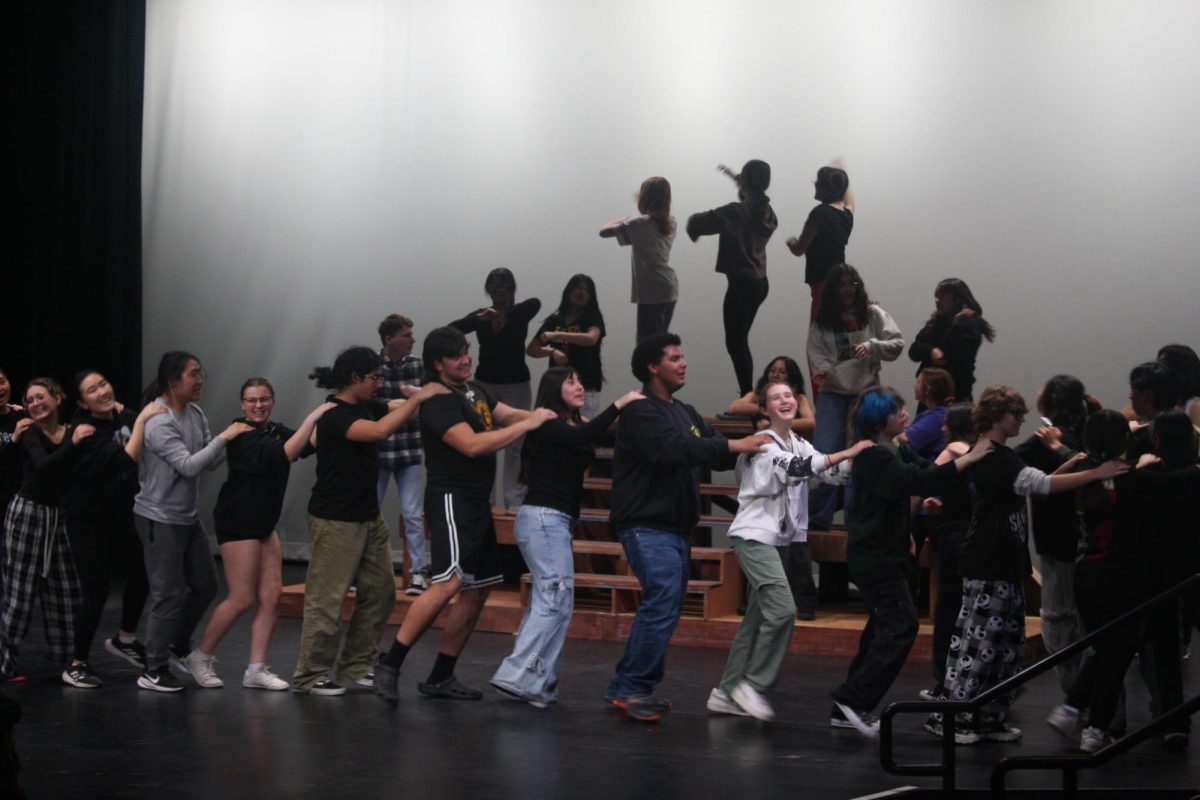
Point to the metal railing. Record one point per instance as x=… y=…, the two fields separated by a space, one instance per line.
x=1070 y=764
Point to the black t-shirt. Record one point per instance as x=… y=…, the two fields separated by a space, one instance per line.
x=104 y=478
x=828 y=249
x=251 y=498
x=347 y=471
x=446 y=469
x=995 y=545
x=1055 y=526
x=46 y=466
x=502 y=352
x=557 y=455
x=10 y=456
x=585 y=360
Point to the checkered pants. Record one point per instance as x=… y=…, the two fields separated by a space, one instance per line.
x=37 y=564
x=988 y=644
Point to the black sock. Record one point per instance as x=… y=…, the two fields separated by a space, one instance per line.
x=394 y=657
x=443 y=668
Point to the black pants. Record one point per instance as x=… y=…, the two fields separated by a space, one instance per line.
x=654 y=318
x=884 y=644
x=1103 y=593
x=96 y=546
x=797 y=565
x=947 y=547
x=742 y=299
x=1160 y=655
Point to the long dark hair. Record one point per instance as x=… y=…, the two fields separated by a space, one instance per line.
x=357 y=360
x=795 y=377
x=564 y=305
x=959 y=425
x=958 y=289
x=1106 y=434
x=829 y=313
x=549 y=395
x=1174 y=439
x=654 y=200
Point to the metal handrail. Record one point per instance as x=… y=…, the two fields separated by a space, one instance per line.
x=1071 y=764
x=947 y=768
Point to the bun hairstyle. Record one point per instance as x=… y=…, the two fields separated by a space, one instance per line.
x=357 y=360
x=170 y=368
x=939 y=386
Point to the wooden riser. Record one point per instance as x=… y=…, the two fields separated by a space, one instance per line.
x=833 y=633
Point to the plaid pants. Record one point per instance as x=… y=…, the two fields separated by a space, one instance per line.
x=988 y=644
x=37 y=564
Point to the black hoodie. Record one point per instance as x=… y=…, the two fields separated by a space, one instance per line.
x=744 y=227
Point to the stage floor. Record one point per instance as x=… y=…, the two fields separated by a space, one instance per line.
x=121 y=742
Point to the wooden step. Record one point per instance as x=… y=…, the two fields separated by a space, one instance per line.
x=706 y=489
x=621 y=594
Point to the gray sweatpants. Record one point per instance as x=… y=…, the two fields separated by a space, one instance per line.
x=183 y=582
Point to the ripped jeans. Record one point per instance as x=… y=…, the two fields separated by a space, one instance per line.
x=544 y=537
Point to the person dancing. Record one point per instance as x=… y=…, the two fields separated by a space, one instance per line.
x=650 y=236
x=744 y=228
x=952 y=335
x=247 y=510
x=554 y=461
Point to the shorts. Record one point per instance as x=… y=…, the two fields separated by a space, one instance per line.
x=225 y=536
x=462 y=539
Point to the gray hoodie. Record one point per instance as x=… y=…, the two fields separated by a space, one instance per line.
x=178 y=447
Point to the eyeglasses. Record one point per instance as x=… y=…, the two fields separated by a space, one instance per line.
x=375 y=376
x=258 y=401
x=196 y=373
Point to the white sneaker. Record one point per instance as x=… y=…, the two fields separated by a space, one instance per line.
x=417 y=583
x=1093 y=739
x=201 y=668
x=753 y=701
x=721 y=703
x=843 y=716
x=263 y=678
x=1064 y=719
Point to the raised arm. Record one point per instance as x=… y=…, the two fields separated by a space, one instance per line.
x=365 y=430
x=299 y=440
x=613 y=228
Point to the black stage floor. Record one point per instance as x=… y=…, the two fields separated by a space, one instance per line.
x=231 y=743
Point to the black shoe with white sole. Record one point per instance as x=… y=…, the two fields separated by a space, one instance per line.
x=80 y=677
x=159 y=680
x=132 y=652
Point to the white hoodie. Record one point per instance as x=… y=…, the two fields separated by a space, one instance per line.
x=773 y=493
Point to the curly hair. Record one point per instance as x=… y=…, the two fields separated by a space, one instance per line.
x=994 y=403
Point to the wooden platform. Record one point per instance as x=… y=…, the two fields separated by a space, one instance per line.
x=833 y=633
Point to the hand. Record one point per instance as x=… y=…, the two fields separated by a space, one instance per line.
x=487 y=314
x=320 y=410
x=937 y=356
x=628 y=398
x=750 y=444
x=1049 y=436
x=965 y=313
x=724 y=170
x=15 y=407
x=981 y=449
x=408 y=390
x=558 y=357
x=838 y=162
x=912 y=547
x=859 y=446
x=429 y=390
x=792 y=241
x=120 y=407
x=1147 y=459
x=151 y=410
x=819 y=375
x=82 y=432
x=1070 y=462
x=20 y=428
x=932 y=505
x=539 y=417
x=1110 y=469
x=861 y=352
x=235 y=430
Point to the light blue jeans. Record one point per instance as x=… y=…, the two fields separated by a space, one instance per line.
x=410 y=487
x=833 y=411
x=544 y=538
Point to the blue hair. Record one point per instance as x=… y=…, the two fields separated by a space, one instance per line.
x=874 y=408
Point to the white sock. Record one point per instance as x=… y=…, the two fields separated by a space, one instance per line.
x=127 y=638
x=256 y=666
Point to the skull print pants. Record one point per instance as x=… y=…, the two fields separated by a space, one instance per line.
x=988 y=644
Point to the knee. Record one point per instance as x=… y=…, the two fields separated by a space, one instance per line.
x=240 y=602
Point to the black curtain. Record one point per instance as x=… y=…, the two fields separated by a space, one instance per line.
x=72 y=292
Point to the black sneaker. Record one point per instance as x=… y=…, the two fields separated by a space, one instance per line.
x=387 y=681
x=449 y=689
x=643 y=707
x=1175 y=740
x=844 y=716
x=77 y=675
x=132 y=652
x=327 y=688
x=159 y=680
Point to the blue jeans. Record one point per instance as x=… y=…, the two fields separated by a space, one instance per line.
x=832 y=411
x=661 y=561
x=544 y=537
x=410 y=483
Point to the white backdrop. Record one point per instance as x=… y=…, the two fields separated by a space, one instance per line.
x=313 y=165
